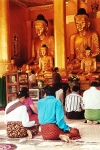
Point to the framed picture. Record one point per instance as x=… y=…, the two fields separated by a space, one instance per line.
x=34 y=94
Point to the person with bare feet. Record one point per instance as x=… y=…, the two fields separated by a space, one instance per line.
x=17 y=119
x=53 y=125
x=91 y=100
x=92 y=122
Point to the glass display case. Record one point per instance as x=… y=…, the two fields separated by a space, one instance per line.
x=14 y=83
x=34 y=94
x=23 y=80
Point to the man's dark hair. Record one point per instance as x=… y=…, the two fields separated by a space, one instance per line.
x=49 y=90
x=21 y=94
x=32 y=71
x=55 y=69
x=75 y=88
x=95 y=84
x=26 y=90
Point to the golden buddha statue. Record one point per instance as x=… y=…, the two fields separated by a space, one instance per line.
x=41 y=28
x=12 y=67
x=80 y=40
x=88 y=65
x=45 y=63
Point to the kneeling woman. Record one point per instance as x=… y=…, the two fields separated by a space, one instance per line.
x=17 y=119
x=31 y=108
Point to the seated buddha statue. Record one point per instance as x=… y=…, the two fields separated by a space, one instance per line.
x=45 y=63
x=88 y=65
x=12 y=67
x=41 y=28
x=80 y=40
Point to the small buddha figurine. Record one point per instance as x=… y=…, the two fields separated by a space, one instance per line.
x=88 y=65
x=12 y=67
x=45 y=63
x=80 y=40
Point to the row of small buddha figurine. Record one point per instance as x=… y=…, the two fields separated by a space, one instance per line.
x=88 y=65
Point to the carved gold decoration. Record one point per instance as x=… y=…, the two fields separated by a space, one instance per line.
x=62 y=71
x=15 y=46
x=95 y=6
x=32 y=3
x=41 y=7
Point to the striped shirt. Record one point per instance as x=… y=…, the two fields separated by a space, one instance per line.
x=74 y=102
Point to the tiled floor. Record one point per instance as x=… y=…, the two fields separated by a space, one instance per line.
x=90 y=138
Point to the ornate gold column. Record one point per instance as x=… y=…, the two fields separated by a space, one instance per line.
x=4 y=36
x=28 y=23
x=59 y=33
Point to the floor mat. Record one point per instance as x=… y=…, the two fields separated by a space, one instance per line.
x=5 y=146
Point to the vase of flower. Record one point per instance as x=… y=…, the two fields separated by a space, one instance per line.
x=40 y=83
x=73 y=80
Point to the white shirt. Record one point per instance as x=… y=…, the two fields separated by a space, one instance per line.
x=60 y=95
x=60 y=91
x=18 y=114
x=74 y=102
x=91 y=98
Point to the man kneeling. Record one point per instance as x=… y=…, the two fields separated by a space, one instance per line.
x=51 y=118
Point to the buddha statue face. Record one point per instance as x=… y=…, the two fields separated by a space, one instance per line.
x=44 y=51
x=40 y=27
x=82 y=22
x=12 y=61
x=88 y=53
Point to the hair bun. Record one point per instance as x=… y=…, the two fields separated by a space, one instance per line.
x=22 y=94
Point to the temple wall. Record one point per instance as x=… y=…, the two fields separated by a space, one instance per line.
x=18 y=28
